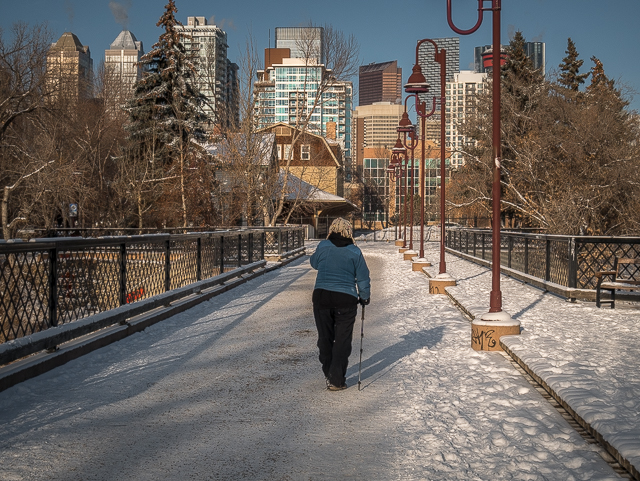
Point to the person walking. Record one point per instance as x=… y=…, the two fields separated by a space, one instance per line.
x=342 y=282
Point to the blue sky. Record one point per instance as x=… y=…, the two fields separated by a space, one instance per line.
x=386 y=30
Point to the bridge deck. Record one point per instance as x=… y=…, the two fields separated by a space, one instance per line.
x=232 y=389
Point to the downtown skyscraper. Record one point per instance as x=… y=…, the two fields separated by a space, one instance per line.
x=217 y=75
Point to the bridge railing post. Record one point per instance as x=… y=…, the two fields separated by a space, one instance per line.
x=167 y=265
x=221 y=254
x=199 y=258
x=122 y=278
x=53 y=286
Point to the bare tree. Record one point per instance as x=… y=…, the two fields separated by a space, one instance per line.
x=23 y=92
x=245 y=163
x=570 y=158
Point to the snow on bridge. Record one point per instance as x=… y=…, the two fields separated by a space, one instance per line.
x=232 y=389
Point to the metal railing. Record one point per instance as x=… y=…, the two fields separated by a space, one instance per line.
x=569 y=261
x=48 y=282
x=431 y=233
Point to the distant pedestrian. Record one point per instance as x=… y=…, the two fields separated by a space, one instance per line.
x=342 y=282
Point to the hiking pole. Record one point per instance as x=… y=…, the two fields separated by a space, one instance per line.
x=361 y=336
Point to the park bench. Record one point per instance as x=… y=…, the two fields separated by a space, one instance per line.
x=623 y=278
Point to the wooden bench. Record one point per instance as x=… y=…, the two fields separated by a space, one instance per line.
x=623 y=278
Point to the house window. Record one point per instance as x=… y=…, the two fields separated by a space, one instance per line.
x=286 y=151
x=305 y=152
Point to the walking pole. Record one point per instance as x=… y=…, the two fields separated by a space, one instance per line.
x=361 y=336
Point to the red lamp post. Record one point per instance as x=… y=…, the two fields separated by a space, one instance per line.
x=481 y=338
x=401 y=153
x=406 y=127
x=394 y=171
x=417 y=84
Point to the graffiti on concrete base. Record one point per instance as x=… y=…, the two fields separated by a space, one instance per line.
x=482 y=337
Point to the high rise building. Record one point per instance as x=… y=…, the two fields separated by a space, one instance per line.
x=380 y=82
x=302 y=42
x=288 y=88
x=374 y=136
x=536 y=51
x=375 y=128
x=217 y=75
x=461 y=95
x=431 y=69
x=70 y=68
x=121 y=69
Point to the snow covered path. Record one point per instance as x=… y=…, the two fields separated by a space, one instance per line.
x=232 y=389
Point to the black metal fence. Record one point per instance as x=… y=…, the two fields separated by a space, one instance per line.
x=48 y=282
x=570 y=261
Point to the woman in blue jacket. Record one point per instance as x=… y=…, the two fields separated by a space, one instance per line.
x=342 y=282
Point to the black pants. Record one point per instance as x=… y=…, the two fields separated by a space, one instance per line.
x=335 y=332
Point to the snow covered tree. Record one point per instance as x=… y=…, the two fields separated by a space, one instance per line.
x=571 y=78
x=167 y=110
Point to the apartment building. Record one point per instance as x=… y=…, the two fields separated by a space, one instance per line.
x=217 y=76
x=70 y=68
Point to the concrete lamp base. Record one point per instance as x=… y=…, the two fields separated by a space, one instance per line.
x=438 y=283
x=402 y=250
x=487 y=330
x=419 y=263
x=409 y=255
x=399 y=243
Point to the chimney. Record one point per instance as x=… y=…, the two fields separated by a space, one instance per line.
x=331 y=130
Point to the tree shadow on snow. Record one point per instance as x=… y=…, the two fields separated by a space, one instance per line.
x=380 y=363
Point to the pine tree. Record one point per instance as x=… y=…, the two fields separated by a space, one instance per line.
x=518 y=73
x=167 y=105
x=166 y=115
x=599 y=79
x=570 y=67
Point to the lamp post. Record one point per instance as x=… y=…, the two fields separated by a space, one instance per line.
x=399 y=153
x=392 y=170
x=487 y=331
x=442 y=280
x=417 y=84
x=406 y=127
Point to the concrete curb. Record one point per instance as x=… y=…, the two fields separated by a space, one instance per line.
x=111 y=326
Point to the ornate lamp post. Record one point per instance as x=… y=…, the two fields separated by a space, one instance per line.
x=399 y=153
x=406 y=127
x=394 y=175
x=417 y=84
x=487 y=330
x=442 y=280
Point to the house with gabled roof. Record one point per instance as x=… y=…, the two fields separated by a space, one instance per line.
x=316 y=160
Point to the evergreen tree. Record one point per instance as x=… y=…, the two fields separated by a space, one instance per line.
x=570 y=77
x=167 y=105
x=166 y=117
x=518 y=74
x=599 y=79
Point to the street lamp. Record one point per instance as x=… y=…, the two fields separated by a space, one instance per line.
x=487 y=331
x=406 y=127
x=442 y=280
x=400 y=152
x=417 y=84
x=392 y=170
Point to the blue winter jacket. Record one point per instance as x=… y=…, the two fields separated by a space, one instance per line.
x=340 y=269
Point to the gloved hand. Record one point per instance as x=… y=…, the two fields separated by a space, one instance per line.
x=364 y=302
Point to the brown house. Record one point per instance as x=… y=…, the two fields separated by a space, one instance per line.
x=312 y=158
